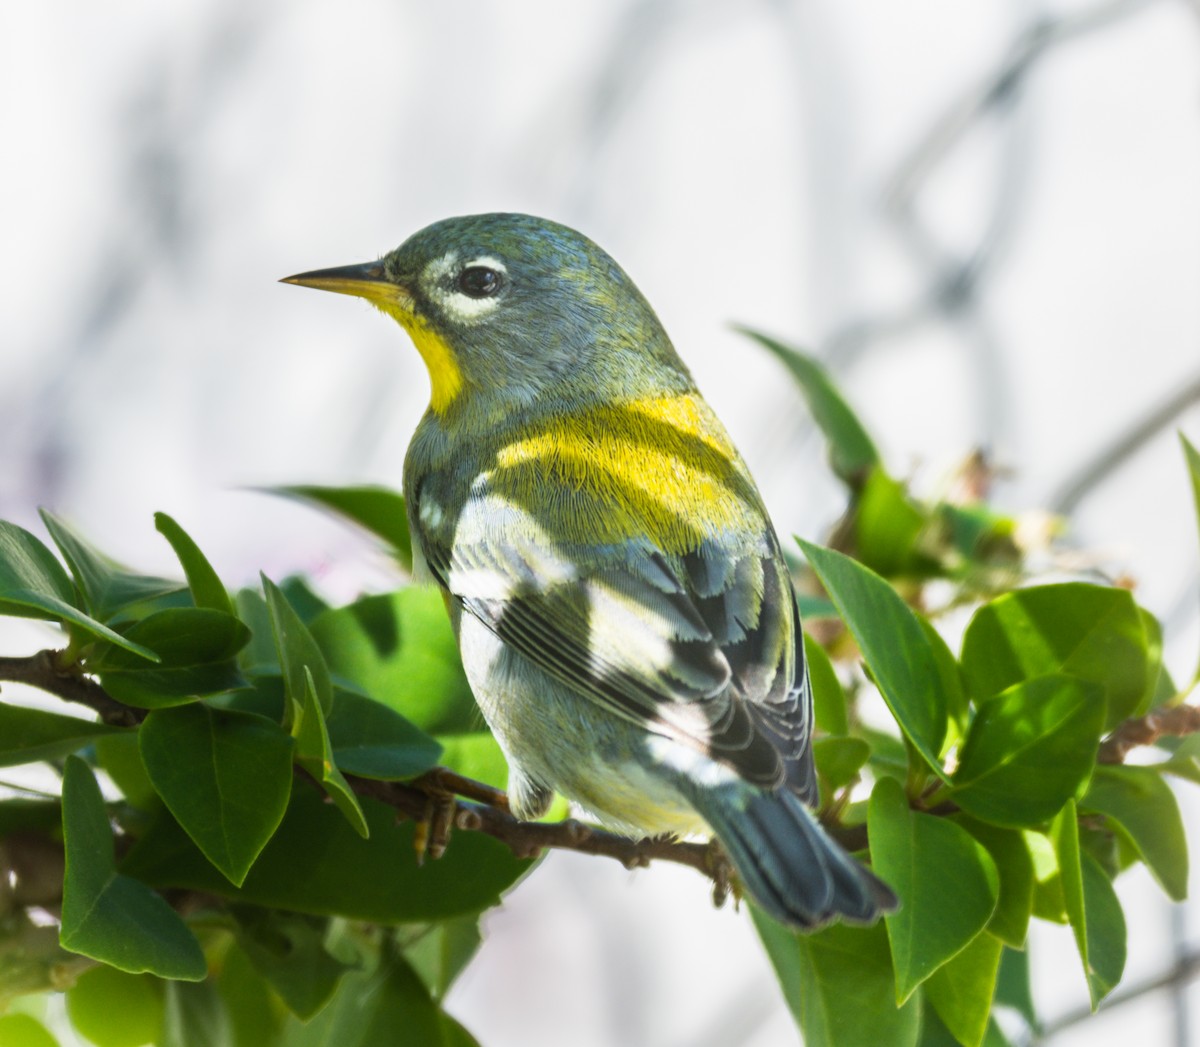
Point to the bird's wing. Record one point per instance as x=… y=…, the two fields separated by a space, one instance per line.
x=703 y=646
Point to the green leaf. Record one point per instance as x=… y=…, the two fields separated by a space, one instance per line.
x=207 y=589
x=1010 y=852
x=378 y=509
x=1093 y=908
x=316 y=863
x=29 y=571
x=114 y=1009
x=260 y=653
x=887 y=526
x=961 y=989
x=371 y=1009
x=1143 y=809
x=117 y=755
x=1155 y=670
x=839 y=985
x=1088 y=631
x=106 y=915
x=851 y=452
x=288 y=950
x=839 y=760
x=20 y=1030
x=298 y=653
x=946 y=881
x=314 y=752
x=183 y=637
x=897 y=650
x=1013 y=987
x=34 y=585
x=1192 y=457
x=31 y=735
x=254 y=1013
x=1029 y=750
x=226 y=776
x=195 y=1016
x=399 y=649
x=197 y=647
x=374 y=741
x=475 y=754
x=108 y=588
x=439 y=952
x=829 y=700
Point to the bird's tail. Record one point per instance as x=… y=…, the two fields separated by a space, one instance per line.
x=787 y=863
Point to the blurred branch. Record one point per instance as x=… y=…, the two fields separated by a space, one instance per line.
x=1108 y=459
x=1181 y=973
x=1146 y=730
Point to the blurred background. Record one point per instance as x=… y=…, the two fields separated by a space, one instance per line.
x=985 y=217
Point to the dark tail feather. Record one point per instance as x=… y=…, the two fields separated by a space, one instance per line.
x=788 y=864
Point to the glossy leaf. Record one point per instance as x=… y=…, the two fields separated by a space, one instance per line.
x=887 y=525
x=1144 y=810
x=399 y=648
x=22 y=1030
x=254 y=1013
x=839 y=760
x=107 y=587
x=961 y=989
x=839 y=985
x=33 y=584
x=1192 y=457
x=197 y=647
x=475 y=754
x=369 y=1009
x=207 y=589
x=226 y=776
x=378 y=509
x=851 y=452
x=288 y=950
x=194 y=1016
x=439 y=952
x=29 y=735
x=371 y=740
x=898 y=652
x=1010 y=852
x=117 y=755
x=316 y=863
x=829 y=699
x=946 y=881
x=1093 y=908
x=314 y=752
x=106 y=915
x=298 y=653
x=1029 y=750
x=114 y=1009
x=1088 y=631
x=1013 y=986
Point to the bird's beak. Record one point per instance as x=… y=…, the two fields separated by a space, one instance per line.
x=363 y=281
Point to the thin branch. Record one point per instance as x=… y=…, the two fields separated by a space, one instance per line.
x=1146 y=730
x=46 y=672
x=441 y=800
x=1109 y=458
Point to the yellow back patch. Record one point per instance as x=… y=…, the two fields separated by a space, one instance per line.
x=662 y=467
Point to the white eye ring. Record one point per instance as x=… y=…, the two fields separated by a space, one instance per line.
x=456 y=303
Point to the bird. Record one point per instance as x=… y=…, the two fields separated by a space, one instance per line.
x=621 y=603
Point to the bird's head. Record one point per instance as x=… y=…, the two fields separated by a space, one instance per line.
x=509 y=310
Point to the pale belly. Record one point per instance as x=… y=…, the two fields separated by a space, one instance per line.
x=564 y=741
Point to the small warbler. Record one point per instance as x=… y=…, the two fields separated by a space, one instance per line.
x=623 y=610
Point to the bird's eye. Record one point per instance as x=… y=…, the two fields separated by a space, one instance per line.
x=478 y=281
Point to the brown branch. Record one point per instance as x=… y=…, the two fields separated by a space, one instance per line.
x=1146 y=730
x=441 y=800
x=46 y=671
